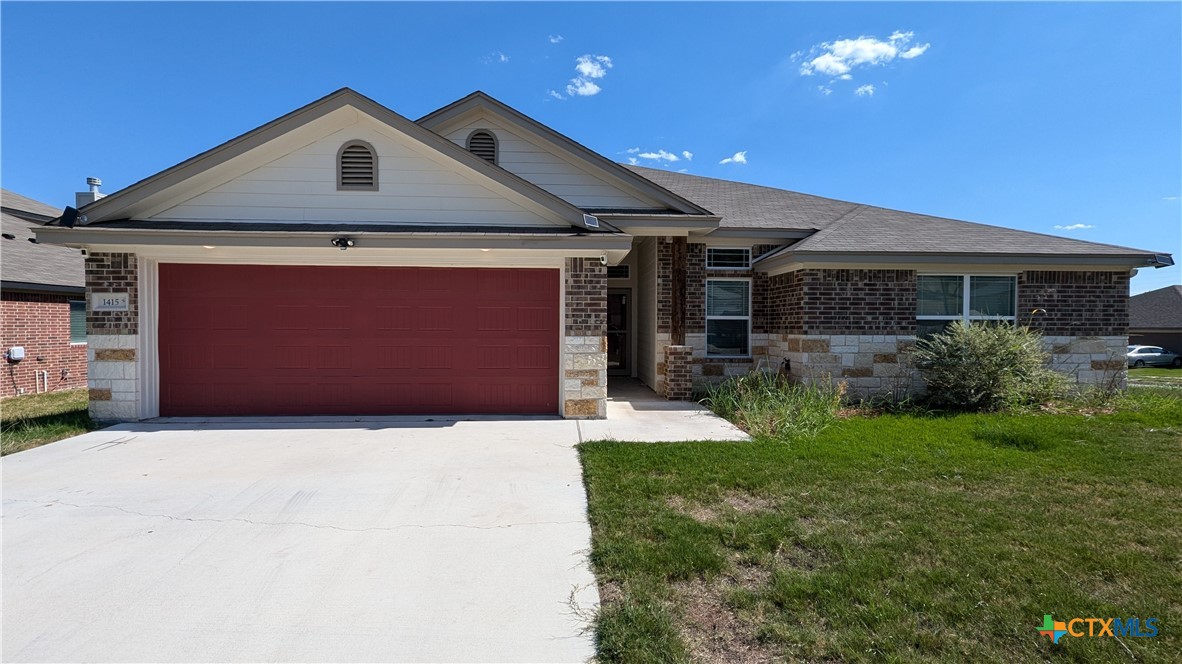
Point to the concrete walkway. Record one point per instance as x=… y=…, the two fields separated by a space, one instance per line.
x=636 y=414
x=311 y=539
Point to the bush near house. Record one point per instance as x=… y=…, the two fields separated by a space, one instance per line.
x=894 y=538
x=766 y=404
x=978 y=367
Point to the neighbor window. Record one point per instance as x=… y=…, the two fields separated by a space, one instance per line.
x=943 y=299
x=77 y=321
x=728 y=317
x=728 y=259
x=357 y=167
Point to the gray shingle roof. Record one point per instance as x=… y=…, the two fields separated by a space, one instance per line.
x=851 y=227
x=1161 y=308
x=15 y=203
x=30 y=263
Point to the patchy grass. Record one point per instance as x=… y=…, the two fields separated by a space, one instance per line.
x=36 y=419
x=896 y=538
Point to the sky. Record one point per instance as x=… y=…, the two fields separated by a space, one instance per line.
x=1059 y=118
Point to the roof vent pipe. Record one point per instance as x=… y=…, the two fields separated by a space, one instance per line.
x=84 y=197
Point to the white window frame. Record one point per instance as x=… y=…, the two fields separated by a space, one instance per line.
x=745 y=249
x=965 y=311
x=748 y=317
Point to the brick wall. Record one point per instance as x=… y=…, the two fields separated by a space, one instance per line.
x=113 y=337
x=845 y=301
x=585 y=342
x=40 y=322
x=665 y=286
x=1075 y=303
x=695 y=289
x=586 y=297
x=679 y=377
x=113 y=273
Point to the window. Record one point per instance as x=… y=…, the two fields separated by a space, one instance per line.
x=617 y=272
x=728 y=317
x=357 y=167
x=943 y=299
x=484 y=145
x=728 y=259
x=77 y=321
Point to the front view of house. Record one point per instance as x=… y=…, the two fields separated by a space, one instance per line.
x=343 y=259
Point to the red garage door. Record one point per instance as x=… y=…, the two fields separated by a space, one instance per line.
x=303 y=340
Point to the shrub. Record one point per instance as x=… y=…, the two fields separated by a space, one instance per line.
x=766 y=404
x=983 y=367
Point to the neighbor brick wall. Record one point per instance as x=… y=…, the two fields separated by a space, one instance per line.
x=1076 y=303
x=113 y=273
x=843 y=301
x=40 y=322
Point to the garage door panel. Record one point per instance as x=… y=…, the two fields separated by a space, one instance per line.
x=280 y=340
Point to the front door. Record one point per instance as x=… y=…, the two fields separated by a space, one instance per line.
x=618 y=340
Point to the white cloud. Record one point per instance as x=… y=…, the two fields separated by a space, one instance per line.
x=582 y=88
x=633 y=160
x=865 y=91
x=588 y=67
x=593 y=66
x=496 y=57
x=554 y=39
x=632 y=150
x=737 y=158
x=1074 y=227
x=1169 y=198
x=660 y=155
x=825 y=90
x=840 y=57
x=683 y=170
x=914 y=51
x=689 y=156
x=555 y=94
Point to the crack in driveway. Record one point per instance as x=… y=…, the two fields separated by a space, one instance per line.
x=297 y=523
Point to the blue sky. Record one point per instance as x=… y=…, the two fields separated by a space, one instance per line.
x=1060 y=118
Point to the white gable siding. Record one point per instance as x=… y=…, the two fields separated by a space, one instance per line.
x=414 y=187
x=549 y=171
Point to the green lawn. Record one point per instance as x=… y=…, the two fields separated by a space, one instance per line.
x=35 y=419
x=896 y=538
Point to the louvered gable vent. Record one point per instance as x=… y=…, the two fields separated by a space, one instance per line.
x=484 y=145
x=357 y=167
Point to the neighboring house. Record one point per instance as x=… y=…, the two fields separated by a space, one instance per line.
x=344 y=259
x=42 y=303
x=1155 y=318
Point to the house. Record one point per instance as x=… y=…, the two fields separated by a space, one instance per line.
x=42 y=303
x=1155 y=318
x=344 y=259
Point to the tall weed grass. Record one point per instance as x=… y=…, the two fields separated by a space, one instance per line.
x=767 y=405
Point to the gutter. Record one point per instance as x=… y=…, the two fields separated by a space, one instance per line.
x=82 y=237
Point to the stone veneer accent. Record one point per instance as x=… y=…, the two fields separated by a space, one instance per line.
x=869 y=364
x=679 y=379
x=112 y=338
x=584 y=356
x=1094 y=361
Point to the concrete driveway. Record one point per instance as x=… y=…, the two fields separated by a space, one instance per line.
x=392 y=540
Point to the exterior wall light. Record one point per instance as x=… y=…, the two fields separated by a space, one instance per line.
x=342 y=243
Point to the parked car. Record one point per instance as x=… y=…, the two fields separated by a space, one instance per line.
x=1153 y=356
